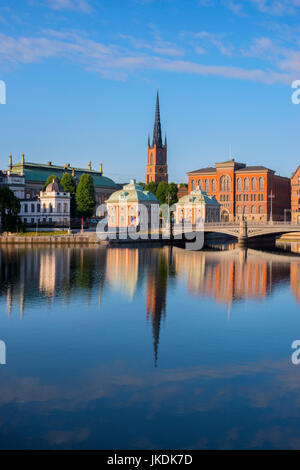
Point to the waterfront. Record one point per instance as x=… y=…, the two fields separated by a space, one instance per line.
x=149 y=348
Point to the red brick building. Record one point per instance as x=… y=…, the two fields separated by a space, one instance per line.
x=157 y=168
x=295 y=195
x=254 y=191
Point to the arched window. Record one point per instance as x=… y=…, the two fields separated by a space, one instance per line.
x=200 y=184
x=58 y=207
x=225 y=183
x=253 y=184
x=261 y=184
x=246 y=184
x=239 y=209
x=261 y=209
x=239 y=184
x=151 y=158
x=246 y=210
x=207 y=185
x=213 y=186
x=193 y=185
x=253 y=210
x=50 y=207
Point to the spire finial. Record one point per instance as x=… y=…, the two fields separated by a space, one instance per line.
x=157 y=140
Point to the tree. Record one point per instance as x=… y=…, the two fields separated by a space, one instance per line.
x=172 y=192
x=141 y=184
x=9 y=209
x=152 y=187
x=85 y=196
x=69 y=184
x=50 y=179
x=162 y=192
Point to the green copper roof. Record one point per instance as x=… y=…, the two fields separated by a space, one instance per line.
x=132 y=192
x=198 y=197
x=39 y=173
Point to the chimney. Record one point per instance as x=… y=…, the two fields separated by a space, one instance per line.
x=90 y=165
x=10 y=162
x=49 y=163
x=101 y=168
x=23 y=159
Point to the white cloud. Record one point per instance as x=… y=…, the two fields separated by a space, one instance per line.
x=71 y=5
x=215 y=40
x=114 y=61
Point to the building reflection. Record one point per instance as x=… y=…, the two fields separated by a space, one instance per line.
x=87 y=272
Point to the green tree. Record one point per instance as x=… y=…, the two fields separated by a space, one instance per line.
x=50 y=179
x=85 y=196
x=152 y=187
x=172 y=194
x=69 y=184
x=140 y=183
x=162 y=192
x=9 y=209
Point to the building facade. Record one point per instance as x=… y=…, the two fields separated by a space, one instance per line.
x=36 y=175
x=15 y=182
x=132 y=207
x=196 y=207
x=254 y=192
x=157 y=168
x=52 y=207
x=295 y=196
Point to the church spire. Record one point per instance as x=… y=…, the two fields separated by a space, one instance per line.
x=157 y=140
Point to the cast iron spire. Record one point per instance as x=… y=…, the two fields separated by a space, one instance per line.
x=157 y=127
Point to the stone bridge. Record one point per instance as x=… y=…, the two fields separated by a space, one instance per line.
x=247 y=230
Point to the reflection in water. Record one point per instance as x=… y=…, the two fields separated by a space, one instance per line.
x=127 y=288
x=227 y=276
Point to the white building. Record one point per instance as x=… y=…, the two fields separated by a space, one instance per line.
x=197 y=206
x=15 y=182
x=52 y=206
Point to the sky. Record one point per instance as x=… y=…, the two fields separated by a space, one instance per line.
x=81 y=79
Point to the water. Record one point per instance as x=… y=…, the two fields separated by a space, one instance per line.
x=149 y=348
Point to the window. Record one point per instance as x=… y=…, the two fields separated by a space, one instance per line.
x=239 y=184
x=25 y=208
x=50 y=208
x=261 y=184
x=200 y=184
x=246 y=197
x=32 y=208
x=65 y=207
x=253 y=210
x=213 y=185
x=253 y=184
x=151 y=158
x=44 y=207
x=239 y=209
x=38 y=207
x=246 y=184
x=225 y=183
x=261 y=209
x=193 y=185
x=207 y=186
x=59 y=207
x=246 y=209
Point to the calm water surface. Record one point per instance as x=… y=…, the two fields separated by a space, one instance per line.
x=149 y=348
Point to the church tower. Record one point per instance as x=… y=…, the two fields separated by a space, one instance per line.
x=157 y=168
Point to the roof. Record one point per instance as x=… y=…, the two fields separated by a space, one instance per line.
x=38 y=172
x=132 y=192
x=255 y=168
x=245 y=169
x=199 y=197
x=209 y=169
x=54 y=186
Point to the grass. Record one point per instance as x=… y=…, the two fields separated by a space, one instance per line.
x=43 y=234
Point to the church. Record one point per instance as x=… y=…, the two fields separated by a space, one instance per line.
x=157 y=168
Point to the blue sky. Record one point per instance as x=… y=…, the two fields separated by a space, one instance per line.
x=81 y=78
